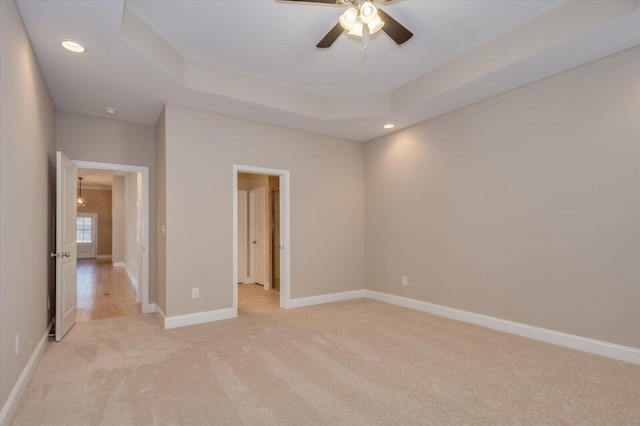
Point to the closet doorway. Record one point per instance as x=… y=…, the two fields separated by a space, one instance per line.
x=260 y=239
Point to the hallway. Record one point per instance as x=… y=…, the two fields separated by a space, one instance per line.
x=103 y=291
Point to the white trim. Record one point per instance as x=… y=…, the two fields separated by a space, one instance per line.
x=132 y=277
x=146 y=214
x=326 y=298
x=285 y=240
x=134 y=282
x=597 y=347
x=234 y=240
x=243 y=251
x=162 y=315
x=103 y=256
x=18 y=390
x=199 y=318
x=152 y=309
x=285 y=227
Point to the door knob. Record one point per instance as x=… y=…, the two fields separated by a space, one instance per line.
x=253 y=242
x=54 y=255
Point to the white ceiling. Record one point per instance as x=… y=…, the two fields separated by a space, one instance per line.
x=256 y=59
x=96 y=179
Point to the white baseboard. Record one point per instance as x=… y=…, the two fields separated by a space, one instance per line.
x=325 y=298
x=198 y=318
x=132 y=277
x=134 y=283
x=161 y=315
x=150 y=308
x=103 y=256
x=597 y=347
x=12 y=402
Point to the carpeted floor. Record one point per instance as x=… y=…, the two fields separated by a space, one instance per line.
x=359 y=362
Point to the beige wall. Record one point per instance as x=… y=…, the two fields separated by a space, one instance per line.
x=525 y=206
x=27 y=185
x=105 y=140
x=118 y=206
x=131 y=249
x=99 y=201
x=327 y=232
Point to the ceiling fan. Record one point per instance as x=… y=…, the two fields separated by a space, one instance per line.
x=362 y=18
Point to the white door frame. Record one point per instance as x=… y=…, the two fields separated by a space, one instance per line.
x=285 y=252
x=243 y=249
x=147 y=307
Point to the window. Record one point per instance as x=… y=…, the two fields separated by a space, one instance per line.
x=83 y=229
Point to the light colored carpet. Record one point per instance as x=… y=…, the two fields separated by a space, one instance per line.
x=359 y=362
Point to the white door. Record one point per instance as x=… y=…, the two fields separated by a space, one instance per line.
x=66 y=204
x=87 y=235
x=258 y=236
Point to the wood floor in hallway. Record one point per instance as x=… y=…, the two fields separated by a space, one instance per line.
x=103 y=291
x=254 y=299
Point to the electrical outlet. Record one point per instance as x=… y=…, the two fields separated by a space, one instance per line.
x=17 y=344
x=405 y=280
x=195 y=292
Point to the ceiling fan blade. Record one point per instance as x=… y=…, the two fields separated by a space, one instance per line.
x=331 y=36
x=394 y=29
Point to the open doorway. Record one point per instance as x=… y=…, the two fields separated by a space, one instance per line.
x=115 y=281
x=257 y=238
x=261 y=225
x=108 y=237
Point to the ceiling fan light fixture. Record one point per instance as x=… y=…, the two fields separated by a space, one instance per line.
x=368 y=12
x=349 y=18
x=375 y=25
x=357 y=29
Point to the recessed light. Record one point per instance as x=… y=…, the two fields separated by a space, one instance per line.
x=111 y=111
x=73 y=46
x=389 y=126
